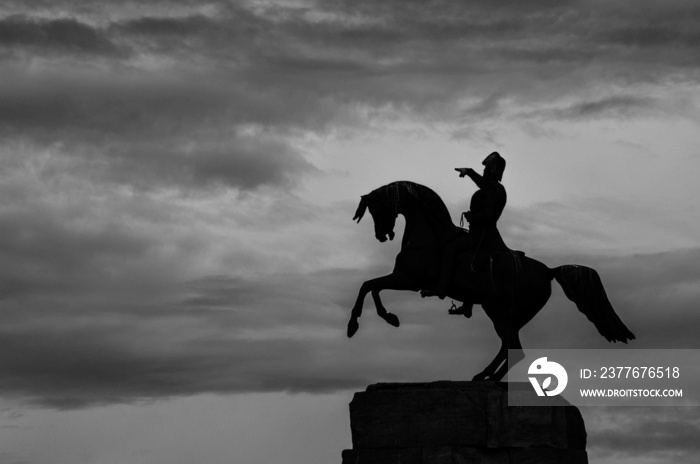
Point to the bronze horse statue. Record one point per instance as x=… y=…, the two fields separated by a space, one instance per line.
x=516 y=289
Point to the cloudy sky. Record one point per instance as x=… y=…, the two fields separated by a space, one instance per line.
x=178 y=178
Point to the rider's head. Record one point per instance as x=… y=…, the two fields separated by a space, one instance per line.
x=494 y=165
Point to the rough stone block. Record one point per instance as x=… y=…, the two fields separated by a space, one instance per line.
x=464 y=455
x=576 y=435
x=524 y=426
x=468 y=414
x=459 y=423
x=547 y=456
x=383 y=456
x=413 y=415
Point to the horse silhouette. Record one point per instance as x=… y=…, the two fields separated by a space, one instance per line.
x=515 y=289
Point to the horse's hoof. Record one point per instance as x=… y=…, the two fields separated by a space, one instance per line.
x=353 y=326
x=391 y=319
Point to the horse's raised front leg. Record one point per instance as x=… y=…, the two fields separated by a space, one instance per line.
x=356 y=312
x=387 y=282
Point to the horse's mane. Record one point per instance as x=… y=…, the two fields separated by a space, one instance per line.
x=429 y=201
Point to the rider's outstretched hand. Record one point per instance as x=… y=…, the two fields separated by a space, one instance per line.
x=463 y=171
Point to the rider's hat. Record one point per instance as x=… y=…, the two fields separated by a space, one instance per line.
x=496 y=163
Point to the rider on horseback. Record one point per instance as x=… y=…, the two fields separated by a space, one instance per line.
x=485 y=209
x=510 y=287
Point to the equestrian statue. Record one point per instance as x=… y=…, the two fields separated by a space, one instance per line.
x=474 y=266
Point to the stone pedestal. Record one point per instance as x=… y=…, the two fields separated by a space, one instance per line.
x=460 y=422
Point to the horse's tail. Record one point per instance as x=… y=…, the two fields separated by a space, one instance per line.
x=583 y=286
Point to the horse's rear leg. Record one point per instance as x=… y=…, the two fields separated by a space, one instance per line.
x=508 y=331
x=510 y=353
x=489 y=371
x=513 y=354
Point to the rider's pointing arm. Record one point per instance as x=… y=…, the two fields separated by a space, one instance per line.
x=488 y=202
x=476 y=178
x=473 y=175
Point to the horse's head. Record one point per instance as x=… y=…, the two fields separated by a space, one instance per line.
x=383 y=214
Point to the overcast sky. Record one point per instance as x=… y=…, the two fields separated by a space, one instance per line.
x=178 y=178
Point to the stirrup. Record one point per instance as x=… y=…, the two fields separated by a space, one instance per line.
x=464 y=310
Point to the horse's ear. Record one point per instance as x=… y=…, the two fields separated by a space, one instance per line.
x=361 y=208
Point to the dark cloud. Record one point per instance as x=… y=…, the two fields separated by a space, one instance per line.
x=69 y=106
x=167 y=26
x=619 y=106
x=45 y=255
x=244 y=163
x=659 y=294
x=221 y=334
x=67 y=239
x=652 y=294
x=44 y=36
x=656 y=36
x=155 y=132
x=285 y=332
x=652 y=26
x=88 y=248
x=252 y=337
x=194 y=82
x=629 y=433
x=187 y=100
x=379 y=54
